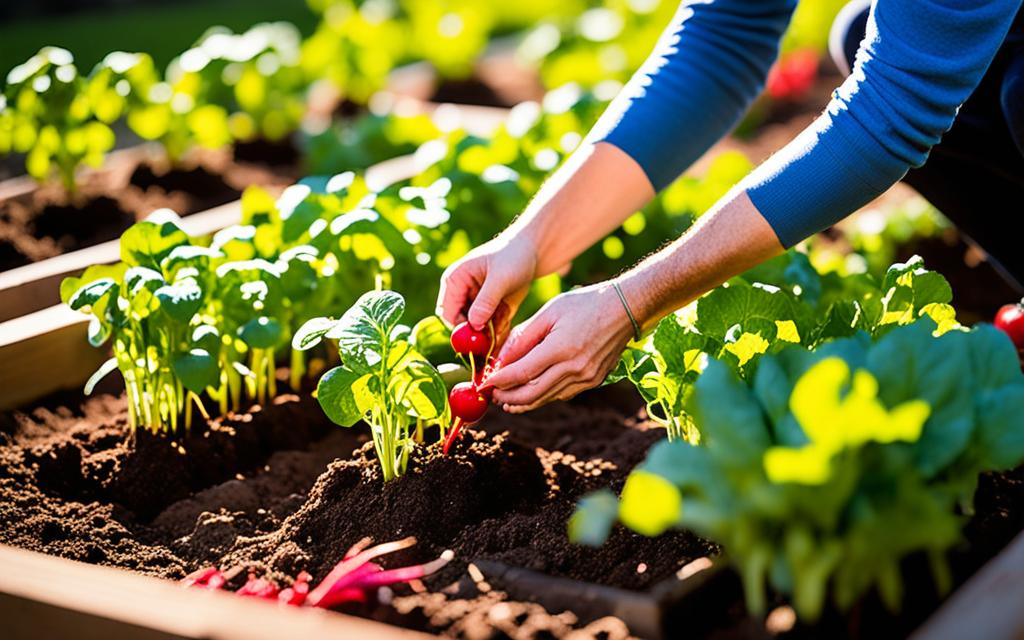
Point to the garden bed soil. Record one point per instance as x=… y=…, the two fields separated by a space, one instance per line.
x=279 y=489
x=46 y=221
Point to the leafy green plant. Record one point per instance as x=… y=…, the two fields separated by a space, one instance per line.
x=46 y=114
x=260 y=84
x=147 y=314
x=120 y=86
x=186 y=318
x=783 y=302
x=382 y=379
x=355 y=47
x=820 y=472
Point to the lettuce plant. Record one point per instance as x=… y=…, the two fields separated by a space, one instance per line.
x=382 y=379
x=781 y=303
x=46 y=114
x=820 y=472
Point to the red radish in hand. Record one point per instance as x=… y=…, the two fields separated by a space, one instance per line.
x=1010 y=319
x=467 y=400
x=467 y=341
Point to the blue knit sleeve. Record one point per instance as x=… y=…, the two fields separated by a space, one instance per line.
x=919 y=62
x=709 y=65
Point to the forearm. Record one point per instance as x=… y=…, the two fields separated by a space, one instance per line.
x=585 y=200
x=728 y=240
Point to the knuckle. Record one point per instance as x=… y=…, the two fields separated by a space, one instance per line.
x=578 y=367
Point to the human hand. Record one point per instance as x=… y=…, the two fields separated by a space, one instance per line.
x=569 y=346
x=488 y=284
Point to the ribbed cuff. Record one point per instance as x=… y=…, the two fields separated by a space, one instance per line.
x=818 y=179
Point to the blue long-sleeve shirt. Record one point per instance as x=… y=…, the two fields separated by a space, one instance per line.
x=920 y=61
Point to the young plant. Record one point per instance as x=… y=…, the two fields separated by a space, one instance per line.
x=824 y=469
x=382 y=379
x=146 y=307
x=120 y=86
x=46 y=115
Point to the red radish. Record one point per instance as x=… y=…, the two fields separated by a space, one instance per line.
x=467 y=341
x=207 y=578
x=259 y=588
x=793 y=75
x=350 y=581
x=1010 y=319
x=468 y=404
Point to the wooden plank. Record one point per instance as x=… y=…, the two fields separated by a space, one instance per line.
x=43 y=596
x=43 y=352
x=37 y=286
x=989 y=605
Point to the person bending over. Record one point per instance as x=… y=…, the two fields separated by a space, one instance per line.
x=934 y=96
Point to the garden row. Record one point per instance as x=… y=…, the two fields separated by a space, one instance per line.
x=749 y=382
x=255 y=85
x=826 y=415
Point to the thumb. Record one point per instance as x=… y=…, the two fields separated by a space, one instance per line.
x=524 y=338
x=486 y=303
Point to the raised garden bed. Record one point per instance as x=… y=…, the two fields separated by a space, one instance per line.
x=37 y=223
x=280 y=489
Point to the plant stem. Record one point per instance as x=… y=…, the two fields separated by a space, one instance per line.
x=297 y=370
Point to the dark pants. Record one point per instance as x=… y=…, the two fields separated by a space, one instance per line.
x=975 y=175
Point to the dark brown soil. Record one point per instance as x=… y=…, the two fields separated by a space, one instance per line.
x=47 y=221
x=282 y=153
x=280 y=490
x=469 y=91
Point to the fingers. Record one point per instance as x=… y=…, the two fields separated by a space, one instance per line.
x=536 y=388
x=564 y=391
x=525 y=337
x=458 y=287
x=487 y=301
x=525 y=371
x=577 y=375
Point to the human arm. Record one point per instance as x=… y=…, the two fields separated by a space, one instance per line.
x=588 y=197
x=707 y=68
x=575 y=340
x=921 y=60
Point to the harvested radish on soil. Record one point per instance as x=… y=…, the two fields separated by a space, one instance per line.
x=351 y=580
